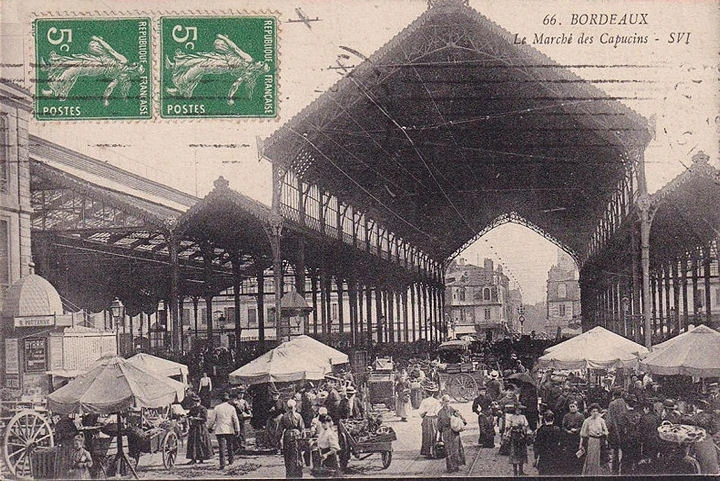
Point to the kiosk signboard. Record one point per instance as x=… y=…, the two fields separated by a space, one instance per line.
x=35 y=355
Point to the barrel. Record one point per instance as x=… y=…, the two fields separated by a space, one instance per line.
x=43 y=462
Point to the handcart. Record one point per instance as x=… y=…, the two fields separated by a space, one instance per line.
x=359 y=439
x=149 y=436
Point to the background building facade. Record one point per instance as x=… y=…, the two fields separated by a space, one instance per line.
x=563 y=295
x=478 y=300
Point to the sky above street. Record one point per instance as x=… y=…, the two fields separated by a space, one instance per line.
x=677 y=89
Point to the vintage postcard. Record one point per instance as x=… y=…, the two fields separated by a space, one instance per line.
x=362 y=238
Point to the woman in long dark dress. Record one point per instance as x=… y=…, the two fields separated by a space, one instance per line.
x=291 y=426
x=547 y=445
x=205 y=390
x=453 y=445
x=571 y=424
x=428 y=411
x=199 y=446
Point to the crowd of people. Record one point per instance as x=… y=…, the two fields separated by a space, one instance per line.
x=282 y=421
x=615 y=430
x=574 y=427
x=575 y=430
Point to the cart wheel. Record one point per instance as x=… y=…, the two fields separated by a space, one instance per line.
x=386 y=459
x=344 y=451
x=25 y=432
x=169 y=449
x=462 y=387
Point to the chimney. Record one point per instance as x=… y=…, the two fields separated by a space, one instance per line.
x=489 y=265
x=499 y=269
x=461 y=261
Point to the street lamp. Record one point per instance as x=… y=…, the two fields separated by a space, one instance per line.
x=626 y=310
x=117 y=311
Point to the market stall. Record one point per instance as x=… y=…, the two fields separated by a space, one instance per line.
x=694 y=353
x=285 y=363
x=597 y=348
x=158 y=365
x=318 y=349
x=114 y=385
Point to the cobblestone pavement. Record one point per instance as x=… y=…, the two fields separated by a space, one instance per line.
x=406 y=461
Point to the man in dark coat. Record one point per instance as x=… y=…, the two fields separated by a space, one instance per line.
x=561 y=405
x=529 y=398
x=306 y=407
x=486 y=422
x=547 y=446
x=493 y=386
x=350 y=407
x=332 y=403
x=617 y=422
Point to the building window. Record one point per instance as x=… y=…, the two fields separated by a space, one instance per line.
x=487 y=313
x=486 y=294
x=562 y=291
x=334 y=312
x=270 y=317
x=4 y=151
x=700 y=302
x=4 y=257
x=230 y=316
x=561 y=310
x=461 y=294
x=252 y=317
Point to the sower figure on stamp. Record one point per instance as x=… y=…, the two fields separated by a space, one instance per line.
x=188 y=69
x=101 y=61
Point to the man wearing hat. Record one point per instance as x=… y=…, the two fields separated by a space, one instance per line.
x=350 y=407
x=493 y=386
x=617 y=422
x=306 y=404
x=670 y=412
x=226 y=426
x=332 y=403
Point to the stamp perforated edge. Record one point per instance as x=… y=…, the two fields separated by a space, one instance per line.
x=31 y=67
x=275 y=15
x=154 y=16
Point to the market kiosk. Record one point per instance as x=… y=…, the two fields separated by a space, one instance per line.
x=37 y=339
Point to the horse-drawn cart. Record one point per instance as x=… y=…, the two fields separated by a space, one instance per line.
x=458 y=373
x=381 y=383
x=27 y=431
x=362 y=439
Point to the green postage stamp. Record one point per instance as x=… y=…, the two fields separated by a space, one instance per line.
x=218 y=67
x=93 y=68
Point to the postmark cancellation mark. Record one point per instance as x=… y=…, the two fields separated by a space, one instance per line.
x=218 y=67
x=93 y=68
